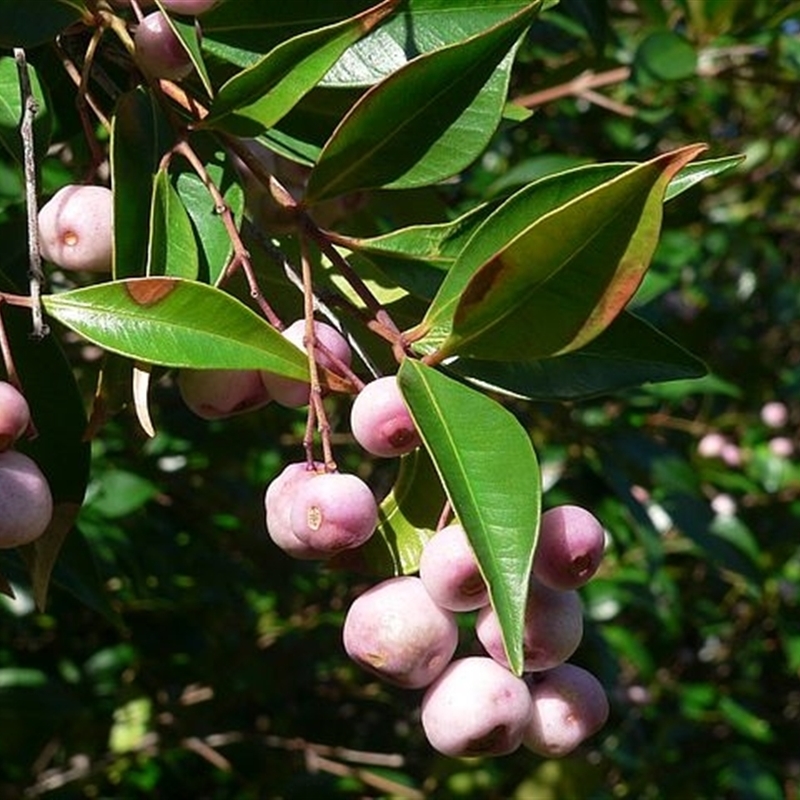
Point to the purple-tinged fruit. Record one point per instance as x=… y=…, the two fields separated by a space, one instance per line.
x=395 y=631
x=553 y=628
x=449 y=571
x=159 y=51
x=380 y=420
x=194 y=7
x=15 y=415
x=569 y=705
x=76 y=228
x=26 y=504
x=219 y=393
x=476 y=708
x=570 y=547
x=333 y=511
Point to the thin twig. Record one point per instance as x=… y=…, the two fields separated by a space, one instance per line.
x=35 y=273
x=316 y=406
x=241 y=256
x=5 y=352
x=584 y=82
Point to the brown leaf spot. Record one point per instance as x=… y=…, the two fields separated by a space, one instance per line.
x=149 y=291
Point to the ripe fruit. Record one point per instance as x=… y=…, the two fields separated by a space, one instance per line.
x=278 y=506
x=76 y=228
x=218 y=393
x=333 y=511
x=158 y=49
x=26 y=504
x=553 y=628
x=380 y=420
x=189 y=6
x=450 y=573
x=570 y=547
x=15 y=416
x=398 y=633
x=476 y=708
x=569 y=705
x=291 y=393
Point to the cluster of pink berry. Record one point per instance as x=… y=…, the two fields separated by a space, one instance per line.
x=405 y=629
x=26 y=503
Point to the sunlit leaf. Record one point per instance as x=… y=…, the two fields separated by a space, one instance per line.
x=11 y=110
x=487 y=464
x=172 y=248
x=453 y=100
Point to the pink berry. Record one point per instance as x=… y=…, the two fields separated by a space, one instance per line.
x=774 y=414
x=218 y=393
x=159 y=50
x=292 y=393
x=187 y=7
x=553 y=628
x=570 y=547
x=476 y=708
x=711 y=445
x=395 y=631
x=76 y=228
x=26 y=504
x=380 y=420
x=449 y=571
x=278 y=506
x=15 y=416
x=333 y=511
x=569 y=705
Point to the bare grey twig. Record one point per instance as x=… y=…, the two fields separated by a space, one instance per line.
x=35 y=273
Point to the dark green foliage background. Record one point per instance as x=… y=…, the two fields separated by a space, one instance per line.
x=180 y=610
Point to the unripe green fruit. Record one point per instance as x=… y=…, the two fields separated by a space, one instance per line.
x=569 y=705
x=15 y=416
x=476 y=708
x=553 y=628
x=291 y=393
x=26 y=504
x=278 y=507
x=76 y=228
x=158 y=49
x=570 y=547
x=380 y=420
x=219 y=393
x=449 y=571
x=333 y=511
x=395 y=631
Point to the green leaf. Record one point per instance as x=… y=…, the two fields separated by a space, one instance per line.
x=11 y=111
x=260 y=95
x=489 y=469
x=27 y=24
x=426 y=121
x=172 y=249
x=407 y=519
x=565 y=278
x=176 y=323
x=692 y=174
x=59 y=447
x=140 y=136
x=628 y=353
x=187 y=34
x=666 y=56
x=216 y=247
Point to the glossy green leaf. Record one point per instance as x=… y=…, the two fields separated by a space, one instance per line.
x=172 y=249
x=188 y=36
x=260 y=95
x=692 y=174
x=27 y=24
x=215 y=243
x=176 y=323
x=407 y=519
x=565 y=278
x=59 y=447
x=487 y=464
x=140 y=136
x=11 y=111
x=453 y=100
x=667 y=56
x=628 y=353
